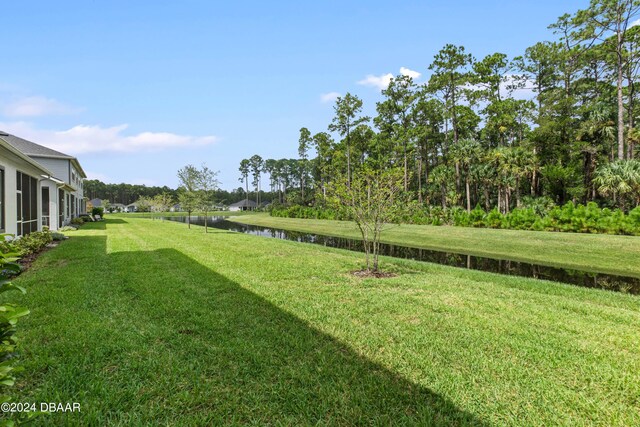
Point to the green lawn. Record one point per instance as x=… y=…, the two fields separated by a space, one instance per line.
x=150 y=323
x=598 y=253
x=167 y=214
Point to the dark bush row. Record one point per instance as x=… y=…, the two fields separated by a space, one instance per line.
x=297 y=211
x=538 y=216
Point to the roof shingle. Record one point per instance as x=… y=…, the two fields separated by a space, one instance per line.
x=31 y=148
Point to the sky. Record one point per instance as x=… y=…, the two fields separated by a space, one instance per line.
x=137 y=90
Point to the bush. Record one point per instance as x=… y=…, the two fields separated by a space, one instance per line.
x=97 y=211
x=9 y=316
x=58 y=236
x=535 y=214
x=27 y=245
x=77 y=221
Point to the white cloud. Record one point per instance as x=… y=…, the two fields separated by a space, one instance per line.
x=94 y=139
x=380 y=82
x=409 y=73
x=329 y=97
x=35 y=106
x=634 y=23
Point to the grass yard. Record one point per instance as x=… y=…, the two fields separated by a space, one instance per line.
x=598 y=253
x=168 y=214
x=150 y=323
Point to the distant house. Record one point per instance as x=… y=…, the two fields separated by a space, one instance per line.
x=116 y=207
x=176 y=208
x=48 y=184
x=133 y=207
x=244 y=205
x=94 y=203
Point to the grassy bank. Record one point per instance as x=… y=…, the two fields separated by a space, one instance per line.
x=591 y=252
x=150 y=323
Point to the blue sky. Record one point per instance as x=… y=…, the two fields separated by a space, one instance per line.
x=136 y=90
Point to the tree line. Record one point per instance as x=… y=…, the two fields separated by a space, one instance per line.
x=557 y=122
x=130 y=193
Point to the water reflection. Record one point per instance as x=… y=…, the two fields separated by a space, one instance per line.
x=515 y=268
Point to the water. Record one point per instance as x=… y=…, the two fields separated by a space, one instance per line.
x=514 y=268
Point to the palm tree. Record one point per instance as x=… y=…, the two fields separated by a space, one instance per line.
x=244 y=172
x=442 y=175
x=504 y=161
x=465 y=153
x=618 y=179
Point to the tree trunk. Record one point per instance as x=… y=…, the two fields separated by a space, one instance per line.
x=348 y=162
x=420 y=180
x=426 y=173
x=466 y=184
x=487 y=202
x=507 y=196
x=620 y=106
x=406 y=165
x=457 y=180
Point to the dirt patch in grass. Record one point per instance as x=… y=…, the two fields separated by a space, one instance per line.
x=373 y=274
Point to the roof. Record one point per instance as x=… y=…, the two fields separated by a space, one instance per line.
x=6 y=145
x=31 y=148
x=36 y=150
x=96 y=202
x=244 y=204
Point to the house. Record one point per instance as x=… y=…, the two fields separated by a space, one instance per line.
x=93 y=203
x=133 y=207
x=48 y=184
x=116 y=207
x=244 y=205
x=20 y=185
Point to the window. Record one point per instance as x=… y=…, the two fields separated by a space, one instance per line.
x=60 y=208
x=27 y=203
x=2 y=225
x=45 y=207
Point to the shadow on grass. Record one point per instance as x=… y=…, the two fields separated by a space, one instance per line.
x=169 y=340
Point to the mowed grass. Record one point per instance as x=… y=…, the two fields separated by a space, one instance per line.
x=149 y=323
x=599 y=253
x=169 y=214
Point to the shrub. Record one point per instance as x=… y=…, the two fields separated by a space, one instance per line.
x=77 y=221
x=477 y=217
x=494 y=219
x=521 y=219
x=9 y=316
x=535 y=214
x=33 y=242
x=97 y=211
x=58 y=236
